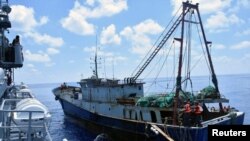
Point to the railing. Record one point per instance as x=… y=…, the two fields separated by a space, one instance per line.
x=9 y=130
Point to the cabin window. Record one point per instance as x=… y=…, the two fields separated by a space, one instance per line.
x=130 y=114
x=153 y=116
x=139 y=87
x=127 y=114
x=141 y=115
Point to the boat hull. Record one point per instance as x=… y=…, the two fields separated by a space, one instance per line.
x=138 y=130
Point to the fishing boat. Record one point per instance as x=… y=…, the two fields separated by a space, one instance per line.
x=123 y=106
x=23 y=117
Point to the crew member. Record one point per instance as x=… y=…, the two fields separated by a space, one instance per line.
x=16 y=40
x=187 y=113
x=198 y=114
x=63 y=86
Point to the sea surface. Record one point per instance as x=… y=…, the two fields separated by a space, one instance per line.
x=234 y=87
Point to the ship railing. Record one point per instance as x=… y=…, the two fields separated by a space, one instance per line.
x=128 y=81
x=3 y=86
x=10 y=130
x=28 y=131
x=216 y=120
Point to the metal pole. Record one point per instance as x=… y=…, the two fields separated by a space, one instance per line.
x=178 y=79
x=29 y=127
x=214 y=78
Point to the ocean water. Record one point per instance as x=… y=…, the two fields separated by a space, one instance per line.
x=234 y=87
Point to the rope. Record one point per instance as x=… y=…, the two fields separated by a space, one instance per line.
x=188 y=50
x=157 y=75
x=203 y=47
x=47 y=132
x=158 y=39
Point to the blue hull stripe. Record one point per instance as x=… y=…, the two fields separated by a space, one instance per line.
x=177 y=133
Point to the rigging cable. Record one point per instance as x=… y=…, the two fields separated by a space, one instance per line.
x=199 y=59
x=174 y=66
x=157 y=75
x=209 y=68
x=189 y=52
x=153 y=47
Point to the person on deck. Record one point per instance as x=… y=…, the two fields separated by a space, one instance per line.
x=198 y=114
x=187 y=113
x=16 y=40
x=63 y=86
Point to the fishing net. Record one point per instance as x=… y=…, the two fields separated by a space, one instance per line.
x=207 y=92
x=165 y=100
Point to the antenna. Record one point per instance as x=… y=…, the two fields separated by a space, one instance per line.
x=104 y=63
x=96 y=73
x=82 y=76
x=95 y=60
x=113 y=68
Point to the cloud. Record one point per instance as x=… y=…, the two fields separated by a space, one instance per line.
x=21 y=14
x=218 y=46
x=52 y=51
x=49 y=64
x=45 y=39
x=77 y=24
x=139 y=35
x=109 y=61
x=32 y=68
x=241 y=45
x=77 y=19
x=43 y=20
x=90 y=2
x=109 y=57
x=222 y=16
x=92 y=51
x=24 y=18
x=239 y=5
x=37 y=57
x=241 y=64
x=206 y=6
x=30 y=65
x=220 y=21
x=242 y=33
x=109 y=36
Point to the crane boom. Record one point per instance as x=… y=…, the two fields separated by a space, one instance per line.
x=165 y=36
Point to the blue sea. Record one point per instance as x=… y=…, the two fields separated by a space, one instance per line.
x=234 y=87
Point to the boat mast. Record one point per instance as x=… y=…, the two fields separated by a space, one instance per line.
x=96 y=73
x=178 y=78
x=214 y=78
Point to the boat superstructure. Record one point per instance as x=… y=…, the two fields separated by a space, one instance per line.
x=122 y=105
x=22 y=116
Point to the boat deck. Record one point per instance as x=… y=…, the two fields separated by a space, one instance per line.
x=9 y=130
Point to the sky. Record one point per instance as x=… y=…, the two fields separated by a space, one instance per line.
x=59 y=38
